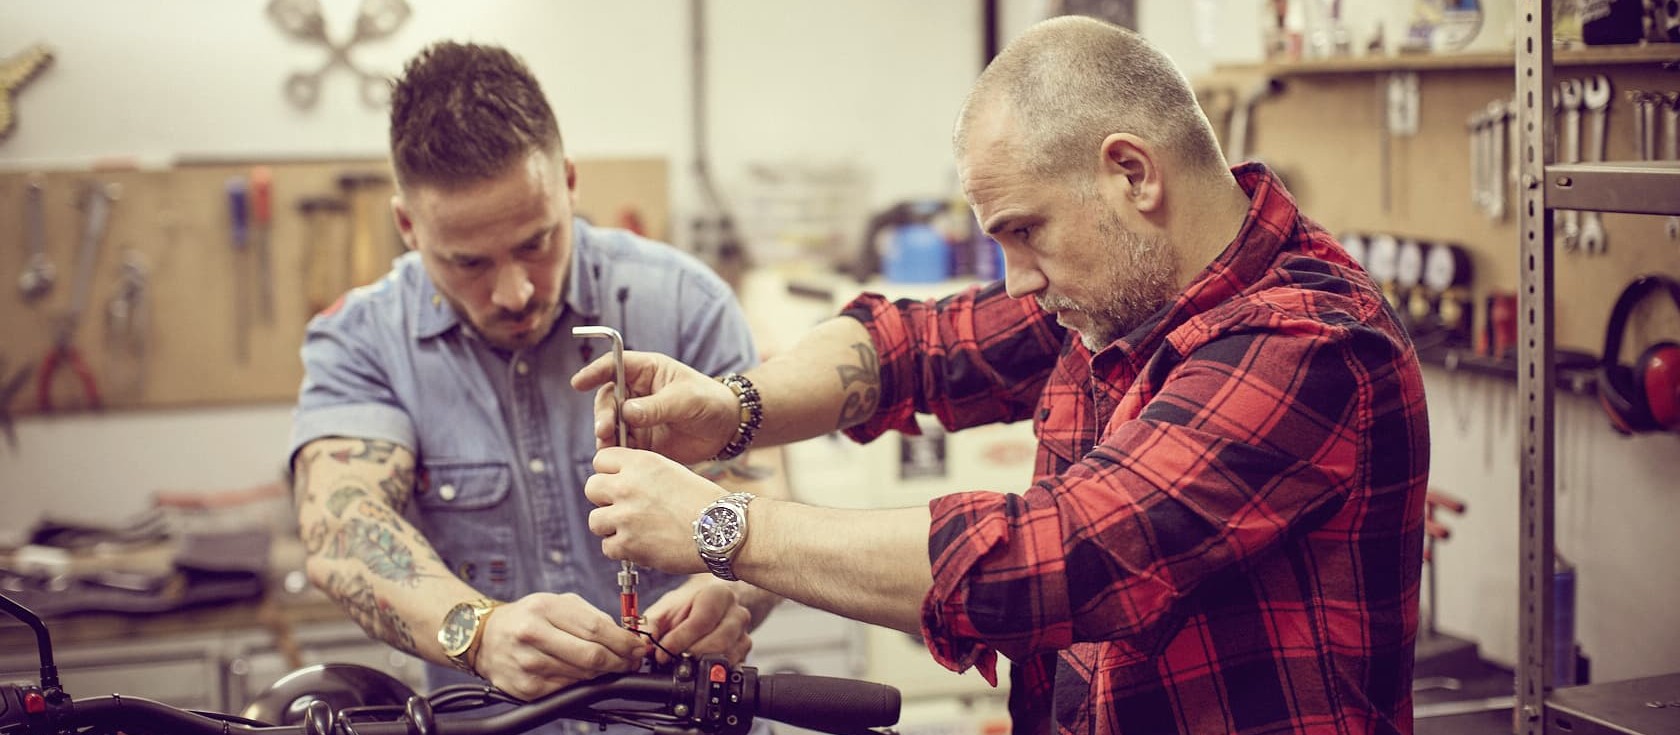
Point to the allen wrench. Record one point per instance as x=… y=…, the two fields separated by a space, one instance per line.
x=629 y=610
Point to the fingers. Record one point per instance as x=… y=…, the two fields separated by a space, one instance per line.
x=544 y=641
x=713 y=622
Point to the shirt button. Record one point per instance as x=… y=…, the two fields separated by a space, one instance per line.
x=555 y=556
x=522 y=367
x=447 y=492
x=537 y=467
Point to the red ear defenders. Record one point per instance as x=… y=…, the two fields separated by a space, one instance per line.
x=1645 y=397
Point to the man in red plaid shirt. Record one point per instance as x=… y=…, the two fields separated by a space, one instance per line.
x=1224 y=534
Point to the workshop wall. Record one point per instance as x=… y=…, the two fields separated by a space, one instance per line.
x=200 y=80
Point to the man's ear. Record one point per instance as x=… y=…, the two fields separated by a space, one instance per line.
x=1131 y=171
x=571 y=182
x=405 y=223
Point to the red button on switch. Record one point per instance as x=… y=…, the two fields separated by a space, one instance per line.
x=718 y=674
x=34 y=703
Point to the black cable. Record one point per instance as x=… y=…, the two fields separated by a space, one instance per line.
x=655 y=642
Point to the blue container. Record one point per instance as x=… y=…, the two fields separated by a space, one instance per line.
x=916 y=253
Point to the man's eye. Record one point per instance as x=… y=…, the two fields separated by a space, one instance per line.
x=1023 y=233
x=469 y=265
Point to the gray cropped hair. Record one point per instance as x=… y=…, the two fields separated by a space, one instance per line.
x=1072 y=81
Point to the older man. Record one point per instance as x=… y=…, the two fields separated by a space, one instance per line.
x=1224 y=532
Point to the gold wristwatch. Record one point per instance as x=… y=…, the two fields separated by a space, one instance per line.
x=463 y=628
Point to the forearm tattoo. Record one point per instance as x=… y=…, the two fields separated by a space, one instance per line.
x=862 y=384
x=376 y=615
x=736 y=468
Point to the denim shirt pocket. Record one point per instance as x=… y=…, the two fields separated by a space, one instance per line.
x=468 y=516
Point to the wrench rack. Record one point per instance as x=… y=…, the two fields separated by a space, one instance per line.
x=1650 y=705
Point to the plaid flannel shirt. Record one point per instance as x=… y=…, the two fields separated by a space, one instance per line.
x=1225 y=530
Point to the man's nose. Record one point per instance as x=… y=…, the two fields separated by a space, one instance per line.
x=513 y=288
x=1021 y=279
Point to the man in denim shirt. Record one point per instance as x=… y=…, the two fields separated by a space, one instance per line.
x=439 y=453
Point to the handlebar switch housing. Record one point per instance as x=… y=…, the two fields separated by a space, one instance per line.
x=28 y=710
x=725 y=696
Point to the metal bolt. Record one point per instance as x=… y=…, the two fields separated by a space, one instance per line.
x=680 y=710
x=1530 y=181
x=1530 y=712
x=1564 y=182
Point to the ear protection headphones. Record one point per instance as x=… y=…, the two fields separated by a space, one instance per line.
x=1645 y=397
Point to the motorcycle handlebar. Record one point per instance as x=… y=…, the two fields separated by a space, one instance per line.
x=704 y=696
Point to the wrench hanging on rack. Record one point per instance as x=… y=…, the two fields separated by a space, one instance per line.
x=38 y=274
x=1569 y=91
x=1670 y=104
x=1497 y=114
x=1478 y=177
x=1596 y=94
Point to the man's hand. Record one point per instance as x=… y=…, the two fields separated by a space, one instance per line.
x=703 y=616
x=679 y=412
x=646 y=509
x=542 y=642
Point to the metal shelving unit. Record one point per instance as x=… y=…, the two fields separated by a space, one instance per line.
x=1639 y=707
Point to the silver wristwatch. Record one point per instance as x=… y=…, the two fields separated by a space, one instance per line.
x=719 y=532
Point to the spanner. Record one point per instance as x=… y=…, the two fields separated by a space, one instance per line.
x=1478 y=177
x=1596 y=93
x=1569 y=91
x=1498 y=115
x=1671 y=145
x=38 y=274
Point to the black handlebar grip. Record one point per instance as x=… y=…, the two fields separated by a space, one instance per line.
x=826 y=703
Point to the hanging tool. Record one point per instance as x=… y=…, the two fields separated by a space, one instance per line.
x=365 y=264
x=14 y=73
x=1569 y=91
x=1670 y=104
x=8 y=391
x=302 y=19
x=238 y=194
x=1596 y=95
x=96 y=203
x=1499 y=115
x=127 y=320
x=629 y=610
x=262 y=221
x=38 y=273
x=323 y=277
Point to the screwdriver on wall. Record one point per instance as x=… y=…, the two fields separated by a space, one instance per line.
x=262 y=220
x=238 y=222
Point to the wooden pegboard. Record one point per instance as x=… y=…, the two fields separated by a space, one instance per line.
x=176 y=222
x=1322 y=134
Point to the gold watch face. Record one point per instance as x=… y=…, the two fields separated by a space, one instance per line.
x=457 y=631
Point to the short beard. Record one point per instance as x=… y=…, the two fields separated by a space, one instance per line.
x=1144 y=278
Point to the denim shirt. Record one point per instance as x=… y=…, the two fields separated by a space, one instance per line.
x=503 y=443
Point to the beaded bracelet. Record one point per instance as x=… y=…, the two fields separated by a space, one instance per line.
x=752 y=416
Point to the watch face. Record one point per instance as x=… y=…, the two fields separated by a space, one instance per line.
x=719 y=527
x=457 y=629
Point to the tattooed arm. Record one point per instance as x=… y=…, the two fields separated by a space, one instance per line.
x=351 y=494
x=830 y=380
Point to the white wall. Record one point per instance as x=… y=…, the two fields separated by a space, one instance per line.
x=1617 y=500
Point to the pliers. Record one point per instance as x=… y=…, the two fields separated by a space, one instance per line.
x=96 y=204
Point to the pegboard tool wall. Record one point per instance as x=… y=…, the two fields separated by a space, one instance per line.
x=1323 y=134
x=177 y=221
